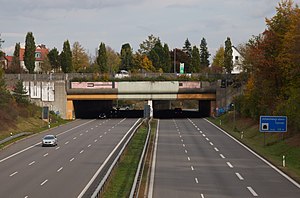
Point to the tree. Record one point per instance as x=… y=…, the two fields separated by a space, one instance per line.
x=228 y=62
x=195 y=60
x=1 y=41
x=66 y=58
x=204 y=54
x=19 y=93
x=167 y=63
x=15 y=66
x=187 y=48
x=46 y=65
x=4 y=93
x=126 y=57
x=147 y=45
x=29 y=55
x=181 y=57
x=142 y=62
x=113 y=59
x=54 y=59
x=102 y=59
x=80 y=59
x=218 y=60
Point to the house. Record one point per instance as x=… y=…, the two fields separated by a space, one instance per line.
x=237 y=61
x=40 y=53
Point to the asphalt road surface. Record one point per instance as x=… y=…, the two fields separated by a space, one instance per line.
x=193 y=158
x=28 y=170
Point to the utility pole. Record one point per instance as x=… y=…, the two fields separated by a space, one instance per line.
x=175 y=61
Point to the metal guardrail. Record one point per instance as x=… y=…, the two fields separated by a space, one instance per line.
x=14 y=136
x=137 y=179
x=100 y=182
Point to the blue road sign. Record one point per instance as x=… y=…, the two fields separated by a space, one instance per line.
x=273 y=124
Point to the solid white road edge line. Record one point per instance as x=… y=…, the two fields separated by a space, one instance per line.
x=30 y=147
x=258 y=156
x=150 y=193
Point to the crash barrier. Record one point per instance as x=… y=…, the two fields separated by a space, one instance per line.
x=96 y=185
x=137 y=179
x=14 y=136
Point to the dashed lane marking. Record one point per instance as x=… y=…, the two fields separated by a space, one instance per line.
x=13 y=174
x=31 y=163
x=252 y=191
x=229 y=164
x=222 y=156
x=239 y=176
x=59 y=169
x=44 y=182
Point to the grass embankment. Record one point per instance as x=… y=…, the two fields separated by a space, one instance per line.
x=123 y=175
x=273 y=148
x=26 y=119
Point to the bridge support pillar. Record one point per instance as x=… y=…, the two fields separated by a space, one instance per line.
x=205 y=108
x=150 y=103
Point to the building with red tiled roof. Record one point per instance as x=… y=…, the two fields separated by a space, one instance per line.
x=40 y=53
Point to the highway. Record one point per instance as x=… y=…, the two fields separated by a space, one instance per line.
x=28 y=170
x=193 y=158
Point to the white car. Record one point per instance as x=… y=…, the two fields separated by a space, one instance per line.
x=122 y=74
x=49 y=140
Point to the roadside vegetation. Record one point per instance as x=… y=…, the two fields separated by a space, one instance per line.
x=272 y=147
x=18 y=115
x=123 y=175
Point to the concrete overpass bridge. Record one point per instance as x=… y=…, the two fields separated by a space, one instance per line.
x=71 y=98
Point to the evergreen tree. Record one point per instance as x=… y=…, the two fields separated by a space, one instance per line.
x=4 y=93
x=29 y=55
x=15 y=66
x=228 y=62
x=19 y=93
x=167 y=59
x=126 y=57
x=204 y=54
x=66 y=58
x=102 y=59
x=187 y=48
x=54 y=60
x=195 y=60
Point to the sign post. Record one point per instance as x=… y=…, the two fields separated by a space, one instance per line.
x=272 y=124
x=181 y=68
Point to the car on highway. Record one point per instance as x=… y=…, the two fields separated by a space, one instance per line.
x=102 y=116
x=49 y=140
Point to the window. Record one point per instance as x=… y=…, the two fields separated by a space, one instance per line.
x=38 y=55
x=236 y=58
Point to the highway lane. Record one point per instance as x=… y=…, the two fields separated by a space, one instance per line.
x=61 y=171
x=195 y=159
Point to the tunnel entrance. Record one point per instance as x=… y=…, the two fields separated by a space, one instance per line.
x=88 y=109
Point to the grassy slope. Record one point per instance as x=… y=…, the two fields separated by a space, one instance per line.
x=276 y=144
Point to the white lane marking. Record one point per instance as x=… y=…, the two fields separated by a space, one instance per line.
x=180 y=136
x=26 y=196
x=30 y=147
x=72 y=159
x=252 y=191
x=67 y=142
x=113 y=127
x=196 y=180
x=59 y=169
x=239 y=176
x=80 y=134
x=109 y=130
x=46 y=154
x=31 y=163
x=96 y=126
x=87 y=131
x=100 y=136
x=222 y=156
x=89 y=145
x=202 y=195
x=192 y=167
x=74 y=138
x=183 y=145
x=185 y=151
x=207 y=139
x=92 y=128
x=105 y=133
x=189 y=159
x=211 y=143
x=229 y=164
x=13 y=174
x=44 y=182
x=95 y=140
x=57 y=148
x=216 y=149
x=181 y=140
x=81 y=151
x=258 y=156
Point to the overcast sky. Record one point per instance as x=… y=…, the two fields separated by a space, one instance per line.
x=116 y=22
